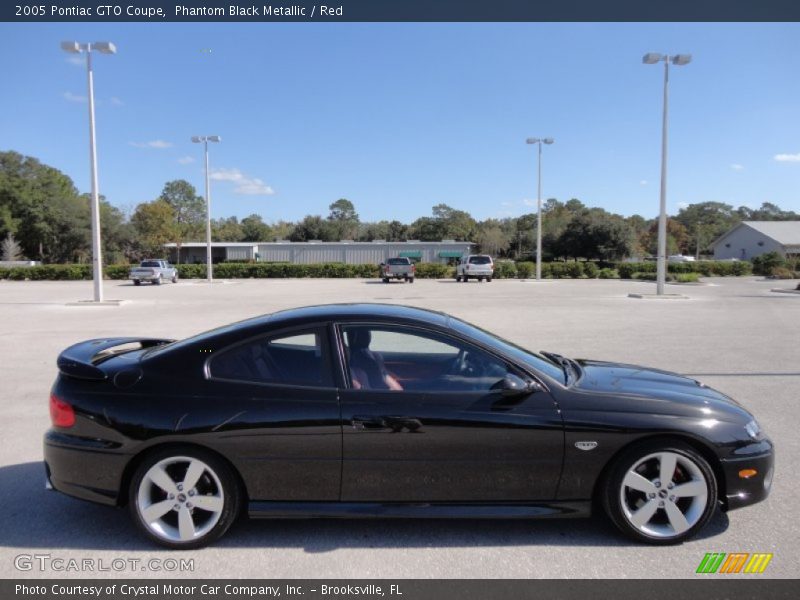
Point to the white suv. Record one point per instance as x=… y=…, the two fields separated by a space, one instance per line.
x=475 y=266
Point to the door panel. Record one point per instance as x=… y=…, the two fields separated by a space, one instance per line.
x=436 y=447
x=284 y=434
x=448 y=435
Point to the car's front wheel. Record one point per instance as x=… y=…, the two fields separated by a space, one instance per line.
x=175 y=278
x=184 y=498
x=660 y=492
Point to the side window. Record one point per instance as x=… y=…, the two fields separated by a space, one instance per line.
x=384 y=358
x=296 y=358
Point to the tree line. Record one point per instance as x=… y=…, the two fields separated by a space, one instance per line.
x=44 y=217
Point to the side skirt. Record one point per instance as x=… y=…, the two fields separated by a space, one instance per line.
x=367 y=510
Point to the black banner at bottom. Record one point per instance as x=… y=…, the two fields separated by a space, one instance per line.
x=732 y=588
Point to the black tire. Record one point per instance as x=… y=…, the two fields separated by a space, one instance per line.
x=480 y=279
x=157 y=280
x=227 y=482
x=466 y=278
x=385 y=280
x=691 y=467
x=410 y=280
x=488 y=280
x=137 y=282
x=175 y=278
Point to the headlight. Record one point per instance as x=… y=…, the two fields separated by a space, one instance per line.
x=753 y=429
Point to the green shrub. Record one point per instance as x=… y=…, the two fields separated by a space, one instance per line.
x=590 y=270
x=573 y=270
x=687 y=277
x=117 y=271
x=626 y=270
x=432 y=270
x=557 y=270
x=653 y=276
x=763 y=265
x=525 y=269
x=505 y=270
x=608 y=274
x=781 y=273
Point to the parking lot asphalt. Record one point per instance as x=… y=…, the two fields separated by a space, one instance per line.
x=732 y=333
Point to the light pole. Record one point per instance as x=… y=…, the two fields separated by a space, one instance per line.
x=539 y=141
x=205 y=139
x=97 y=256
x=652 y=58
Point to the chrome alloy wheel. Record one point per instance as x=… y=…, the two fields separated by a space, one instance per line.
x=664 y=494
x=180 y=499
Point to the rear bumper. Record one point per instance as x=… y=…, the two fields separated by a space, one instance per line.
x=82 y=468
x=742 y=491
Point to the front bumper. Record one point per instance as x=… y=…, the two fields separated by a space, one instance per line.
x=741 y=491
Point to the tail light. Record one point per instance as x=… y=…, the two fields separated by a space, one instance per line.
x=61 y=413
x=413 y=268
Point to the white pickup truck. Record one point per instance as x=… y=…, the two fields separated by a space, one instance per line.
x=155 y=271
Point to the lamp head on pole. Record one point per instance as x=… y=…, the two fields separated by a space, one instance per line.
x=681 y=59
x=652 y=58
x=71 y=47
x=105 y=47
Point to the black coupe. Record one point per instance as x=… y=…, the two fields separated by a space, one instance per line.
x=374 y=410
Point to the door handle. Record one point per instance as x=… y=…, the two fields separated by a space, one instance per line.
x=364 y=422
x=395 y=424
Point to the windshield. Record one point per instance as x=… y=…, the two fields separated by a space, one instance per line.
x=531 y=359
x=480 y=260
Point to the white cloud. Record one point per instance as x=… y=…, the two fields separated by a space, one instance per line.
x=788 y=157
x=737 y=167
x=248 y=186
x=643 y=182
x=185 y=160
x=505 y=204
x=683 y=205
x=159 y=144
x=116 y=101
x=76 y=60
x=73 y=97
x=528 y=202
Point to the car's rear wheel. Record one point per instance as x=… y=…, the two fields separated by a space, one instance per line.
x=157 y=280
x=184 y=498
x=458 y=278
x=410 y=280
x=660 y=492
x=137 y=282
x=175 y=278
x=385 y=280
x=488 y=280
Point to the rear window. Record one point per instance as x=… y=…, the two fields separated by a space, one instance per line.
x=480 y=260
x=398 y=261
x=150 y=263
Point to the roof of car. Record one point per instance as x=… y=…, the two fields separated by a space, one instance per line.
x=365 y=310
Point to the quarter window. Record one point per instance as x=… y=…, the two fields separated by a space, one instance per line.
x=297 y=358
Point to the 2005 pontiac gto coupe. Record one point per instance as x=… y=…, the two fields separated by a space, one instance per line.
x=371 y=410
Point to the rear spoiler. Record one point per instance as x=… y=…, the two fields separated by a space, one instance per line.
x=81 y=359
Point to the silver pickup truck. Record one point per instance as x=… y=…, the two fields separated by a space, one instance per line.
x=398 y=268
x=155 y=271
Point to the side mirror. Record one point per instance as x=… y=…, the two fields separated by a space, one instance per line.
x=513 y=385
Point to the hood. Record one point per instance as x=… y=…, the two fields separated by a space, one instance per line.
x=658 y=391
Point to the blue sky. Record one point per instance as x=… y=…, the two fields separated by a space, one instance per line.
x=400 y=117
